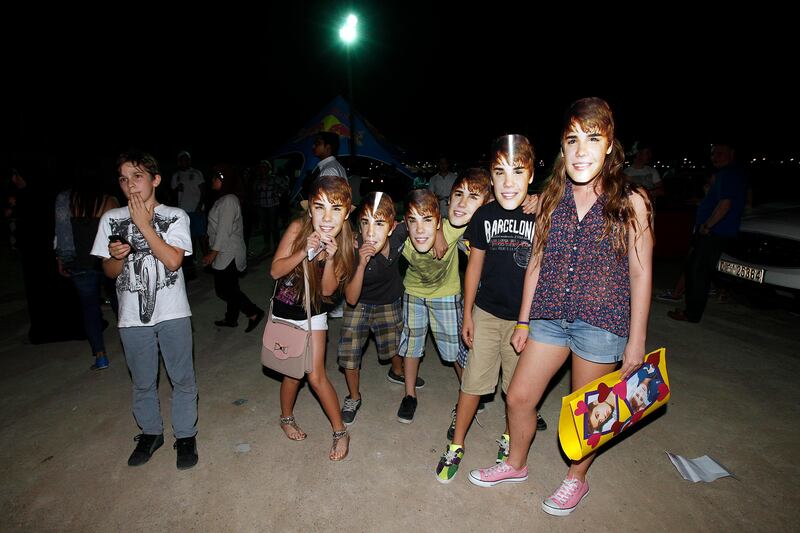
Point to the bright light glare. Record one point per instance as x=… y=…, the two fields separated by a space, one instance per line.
x=347 y=33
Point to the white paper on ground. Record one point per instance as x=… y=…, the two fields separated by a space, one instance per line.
x=699 y=469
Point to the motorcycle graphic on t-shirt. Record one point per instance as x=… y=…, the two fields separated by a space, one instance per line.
x=142 y=272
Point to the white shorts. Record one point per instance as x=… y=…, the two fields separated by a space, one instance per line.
x=318 y=322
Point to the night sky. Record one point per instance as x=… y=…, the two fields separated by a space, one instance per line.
x=234 y=85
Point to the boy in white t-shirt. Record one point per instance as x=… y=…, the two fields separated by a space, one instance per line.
x=142 y=246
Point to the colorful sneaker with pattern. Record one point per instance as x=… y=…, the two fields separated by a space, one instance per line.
x=502 y=451
x=448 y=465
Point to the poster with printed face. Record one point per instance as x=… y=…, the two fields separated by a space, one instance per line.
x=595 y=414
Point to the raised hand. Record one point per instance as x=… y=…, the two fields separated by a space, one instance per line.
x=365 y=253
x=141 y=214
x=331 y=246
x=313 y=242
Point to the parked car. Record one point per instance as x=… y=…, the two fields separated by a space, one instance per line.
x=766 y=254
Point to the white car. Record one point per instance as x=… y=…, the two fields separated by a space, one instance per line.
x=767 y=250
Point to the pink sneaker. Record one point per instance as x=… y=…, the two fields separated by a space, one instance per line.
x=566 y=497
x=499 y=473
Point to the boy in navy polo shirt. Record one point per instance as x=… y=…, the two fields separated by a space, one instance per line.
x=375 y=298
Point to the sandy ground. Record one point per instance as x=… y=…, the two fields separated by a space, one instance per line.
x=67 y=432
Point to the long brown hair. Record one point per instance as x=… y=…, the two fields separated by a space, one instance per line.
x=594 y=115
x=87 y=198
x=337 y=190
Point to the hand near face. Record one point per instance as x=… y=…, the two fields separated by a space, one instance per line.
x=331 y=246
x=141 y=214
x=313 y=241
x=365 y=253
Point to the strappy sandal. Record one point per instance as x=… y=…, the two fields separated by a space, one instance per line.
x=337 y=436
x=289 y=421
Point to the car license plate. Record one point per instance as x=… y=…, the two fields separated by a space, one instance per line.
x=741 y=271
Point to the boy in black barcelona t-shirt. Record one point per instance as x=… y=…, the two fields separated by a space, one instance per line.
x=499 y=236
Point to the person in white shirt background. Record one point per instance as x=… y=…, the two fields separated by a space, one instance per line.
x=188 y=187
x=441 y=183
x=641 y=173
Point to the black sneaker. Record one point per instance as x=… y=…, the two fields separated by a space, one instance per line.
x=407 y=409
x=451 y=431
x=145 y=446
x=481 y=408
x=187 y=452
x=401 y=380
x=349 y=410
x=541 y=425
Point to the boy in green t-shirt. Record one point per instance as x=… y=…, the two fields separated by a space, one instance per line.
x=432 y=286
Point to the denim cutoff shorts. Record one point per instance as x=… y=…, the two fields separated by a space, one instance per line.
x=586 y=341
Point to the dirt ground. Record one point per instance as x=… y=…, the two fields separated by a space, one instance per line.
x=66 y=434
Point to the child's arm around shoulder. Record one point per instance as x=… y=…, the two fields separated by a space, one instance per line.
x=445 y=231
x=440 y=244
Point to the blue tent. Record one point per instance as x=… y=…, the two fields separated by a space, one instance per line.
x=335 y=117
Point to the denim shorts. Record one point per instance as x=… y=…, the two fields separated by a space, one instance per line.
x=586 y=341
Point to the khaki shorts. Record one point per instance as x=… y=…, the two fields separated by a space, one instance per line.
x=491 y=350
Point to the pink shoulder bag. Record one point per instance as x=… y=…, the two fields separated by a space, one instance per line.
x=286 y=347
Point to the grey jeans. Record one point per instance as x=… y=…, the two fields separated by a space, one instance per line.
x=142 y=343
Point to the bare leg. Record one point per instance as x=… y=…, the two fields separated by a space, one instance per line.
x=537 y=365
x=353 y=379
x=288 y=395
x=465 y=411
x=584 y=372
x=459 y=372
x=397 y=365
x=318 y=379
x=411 y=367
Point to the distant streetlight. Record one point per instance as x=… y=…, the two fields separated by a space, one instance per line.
x=348 y=35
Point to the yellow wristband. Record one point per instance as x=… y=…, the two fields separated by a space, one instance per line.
x=521 y=326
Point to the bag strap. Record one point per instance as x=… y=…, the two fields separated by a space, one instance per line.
x=274 y=292
x=307 y=298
